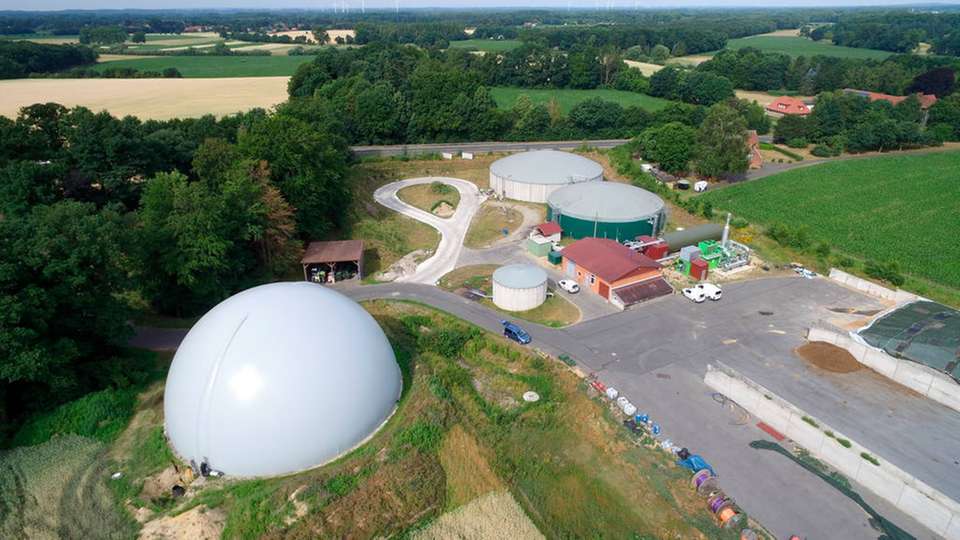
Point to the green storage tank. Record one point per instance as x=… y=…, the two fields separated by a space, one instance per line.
x=555 y=257
x=606 y=210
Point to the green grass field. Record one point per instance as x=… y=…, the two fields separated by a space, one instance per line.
x=799 y=46
x=215 y=66
x=567 y=98
x=899 y=208
x=486 y=45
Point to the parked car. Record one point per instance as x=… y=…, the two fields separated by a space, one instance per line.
x=569 y=285
x=800 y=270
x=711 y=291
x=514 y=332
x=701 y=186
x=695 y=294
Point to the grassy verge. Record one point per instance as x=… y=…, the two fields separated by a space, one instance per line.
x=488 y=225
x=428 y=197
x=556 y=311
x=566 y=98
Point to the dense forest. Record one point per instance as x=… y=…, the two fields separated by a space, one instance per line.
x=21 y=58
x=101 y=215
x=896 y=31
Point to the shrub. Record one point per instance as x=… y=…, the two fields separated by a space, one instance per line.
x=821 y=150
x=844 y=442
x=811 y=421
x=706 y=209
x=447 y=342
x=440 y=188
x=739 y=223
x=844 y=261
x=870 y=458
x=797 y=143
x=789 y=235
x=885 y=271
x=423 y=436
x=822 y=249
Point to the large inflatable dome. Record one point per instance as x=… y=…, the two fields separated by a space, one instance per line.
x=277 y=379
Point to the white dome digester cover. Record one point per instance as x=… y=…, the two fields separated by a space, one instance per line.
x=278 y=379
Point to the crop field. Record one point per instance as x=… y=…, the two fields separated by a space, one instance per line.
x=148 y=99
x=891 y=208
x=506 y=97
x=799 y=46
x=486 y=45
x=215 y=66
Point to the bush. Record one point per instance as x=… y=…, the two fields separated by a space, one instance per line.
x=440 y=188
x=884 y=271
x=447 y=342
x=739 y=223
x=789 y=235
x=101 y=415
x=844 y=261
x=844 y=442
x=870 y=458
x=822 y=249
x=797 y=143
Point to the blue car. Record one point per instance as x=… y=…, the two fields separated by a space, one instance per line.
x=514 y=332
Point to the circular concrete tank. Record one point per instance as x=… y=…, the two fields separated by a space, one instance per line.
x=519 y=287
x=278 y=379
x=606 y=210
x=533 y=176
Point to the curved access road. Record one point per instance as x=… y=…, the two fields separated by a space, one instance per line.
x=452 y=230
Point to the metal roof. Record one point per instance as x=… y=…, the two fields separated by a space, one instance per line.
x=277 y=379
x=608 y=259
x=335 y=251
x=520 y=276
x=546 y=167
x=605 y=201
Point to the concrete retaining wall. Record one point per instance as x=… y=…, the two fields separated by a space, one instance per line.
x=868 y=287
x=925 y=504
x=927 y=381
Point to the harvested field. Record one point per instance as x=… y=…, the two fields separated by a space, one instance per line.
x=645 y=68
x=829 y=357
x=491 y=517
x=154 y=99
x=294 y=34
x=332 y=35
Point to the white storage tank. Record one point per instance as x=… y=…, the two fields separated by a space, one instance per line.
x=278 y=379
x=519 y=287
x=533 y=176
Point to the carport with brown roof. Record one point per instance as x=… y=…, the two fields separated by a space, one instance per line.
x=336 y=256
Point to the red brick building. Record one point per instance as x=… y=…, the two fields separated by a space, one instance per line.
x=615 y=272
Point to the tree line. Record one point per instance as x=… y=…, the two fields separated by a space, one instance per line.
x=896 y=31
x=21 y=58
x=100 y=216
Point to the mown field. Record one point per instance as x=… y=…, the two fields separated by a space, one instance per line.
x=486 y=45
x=506 y=97
x=215 y=66
x=799 y=46
x=892 y=208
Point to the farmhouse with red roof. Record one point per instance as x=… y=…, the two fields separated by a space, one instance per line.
x=788 y=106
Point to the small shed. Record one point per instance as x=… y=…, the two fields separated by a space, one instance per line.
x=550 y=230
x=542 y=237
x=329 y=262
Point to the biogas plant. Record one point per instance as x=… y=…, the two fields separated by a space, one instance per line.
x=278 y=379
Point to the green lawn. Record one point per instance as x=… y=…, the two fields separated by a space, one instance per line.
x=799 y=46
x=567 y=98
x=215 y=66
x=902 y=208
x=486 y=45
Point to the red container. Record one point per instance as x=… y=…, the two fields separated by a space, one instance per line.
x=698 y=269
x=657 y=251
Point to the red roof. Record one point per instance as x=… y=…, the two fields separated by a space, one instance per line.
x=789 y=105
x=608 y=259
x=331 y=252
x=926 y=100
x=549 y=228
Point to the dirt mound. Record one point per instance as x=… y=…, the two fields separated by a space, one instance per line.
x=201 y=523
x=829 y=357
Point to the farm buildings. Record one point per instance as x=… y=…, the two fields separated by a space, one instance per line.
x=615 y=272
x=278 y=379
x=788 y=106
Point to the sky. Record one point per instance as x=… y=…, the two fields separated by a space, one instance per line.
x=373 y=4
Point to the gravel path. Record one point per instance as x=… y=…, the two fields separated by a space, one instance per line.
x=452 y=230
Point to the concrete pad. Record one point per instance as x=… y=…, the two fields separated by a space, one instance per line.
x=913 y=376
x=919 y=506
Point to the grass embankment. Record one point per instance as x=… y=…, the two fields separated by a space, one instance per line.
x=801 y=46
x=556 y=311
x=429 y=197
x=488 y=225
x=892 y=208
x=462 y=440
x=566 y=98
x=214 y=66
x=486 y=45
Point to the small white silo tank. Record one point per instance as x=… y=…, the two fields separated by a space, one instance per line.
x=519 y=287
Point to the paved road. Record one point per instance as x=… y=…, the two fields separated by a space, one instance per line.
x=452 y=230
x=480 y=147
x=657 y=355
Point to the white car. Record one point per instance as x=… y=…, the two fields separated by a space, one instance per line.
x=711 y=291
x=700 y=186
x=569 y=285
x=695 y=294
